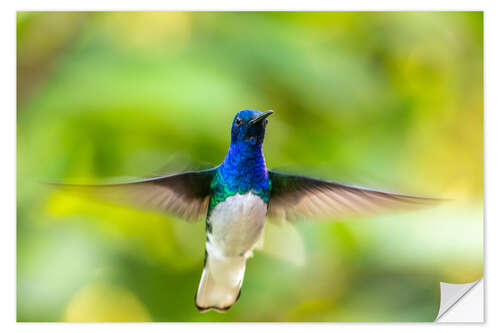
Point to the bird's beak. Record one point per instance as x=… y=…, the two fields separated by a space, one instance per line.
x=261 y=117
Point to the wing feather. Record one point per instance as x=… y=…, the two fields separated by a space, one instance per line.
x=295 y=197
x=184 y=195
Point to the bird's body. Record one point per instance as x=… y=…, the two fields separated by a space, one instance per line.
x=236 y=197
x=235 y=218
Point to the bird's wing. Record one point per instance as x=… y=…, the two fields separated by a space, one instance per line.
x=294 y=197
x=185 y=195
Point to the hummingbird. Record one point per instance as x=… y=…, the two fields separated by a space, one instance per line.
x=238 y=196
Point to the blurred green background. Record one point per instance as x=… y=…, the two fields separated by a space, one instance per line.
x=391 y=100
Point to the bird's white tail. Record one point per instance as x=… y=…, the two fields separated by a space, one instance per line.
x=220 y=283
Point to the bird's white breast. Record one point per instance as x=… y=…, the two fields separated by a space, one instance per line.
x=237 y=224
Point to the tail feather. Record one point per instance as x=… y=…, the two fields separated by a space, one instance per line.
x=220 y=285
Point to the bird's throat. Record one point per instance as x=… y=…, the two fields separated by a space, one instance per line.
x=244 y=164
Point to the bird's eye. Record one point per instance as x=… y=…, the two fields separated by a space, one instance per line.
x=238 y=121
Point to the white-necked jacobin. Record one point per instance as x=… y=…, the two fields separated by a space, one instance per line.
x=238 y=195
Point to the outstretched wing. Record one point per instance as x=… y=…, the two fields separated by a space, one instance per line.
x=294 y=197
x=185 y=195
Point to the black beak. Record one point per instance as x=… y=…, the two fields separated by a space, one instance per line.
x=261 y=117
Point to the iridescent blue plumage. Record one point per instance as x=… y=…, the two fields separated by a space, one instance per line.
x=244 y=168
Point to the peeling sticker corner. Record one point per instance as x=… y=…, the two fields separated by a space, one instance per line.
x=451 y=293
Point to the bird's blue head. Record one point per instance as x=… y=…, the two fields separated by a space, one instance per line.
x=249 y=127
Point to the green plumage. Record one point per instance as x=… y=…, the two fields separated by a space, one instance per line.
x=221 y=190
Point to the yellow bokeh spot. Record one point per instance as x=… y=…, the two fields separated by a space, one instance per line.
x=105 y=303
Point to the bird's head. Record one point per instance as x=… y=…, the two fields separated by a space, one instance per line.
x=249 y=127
